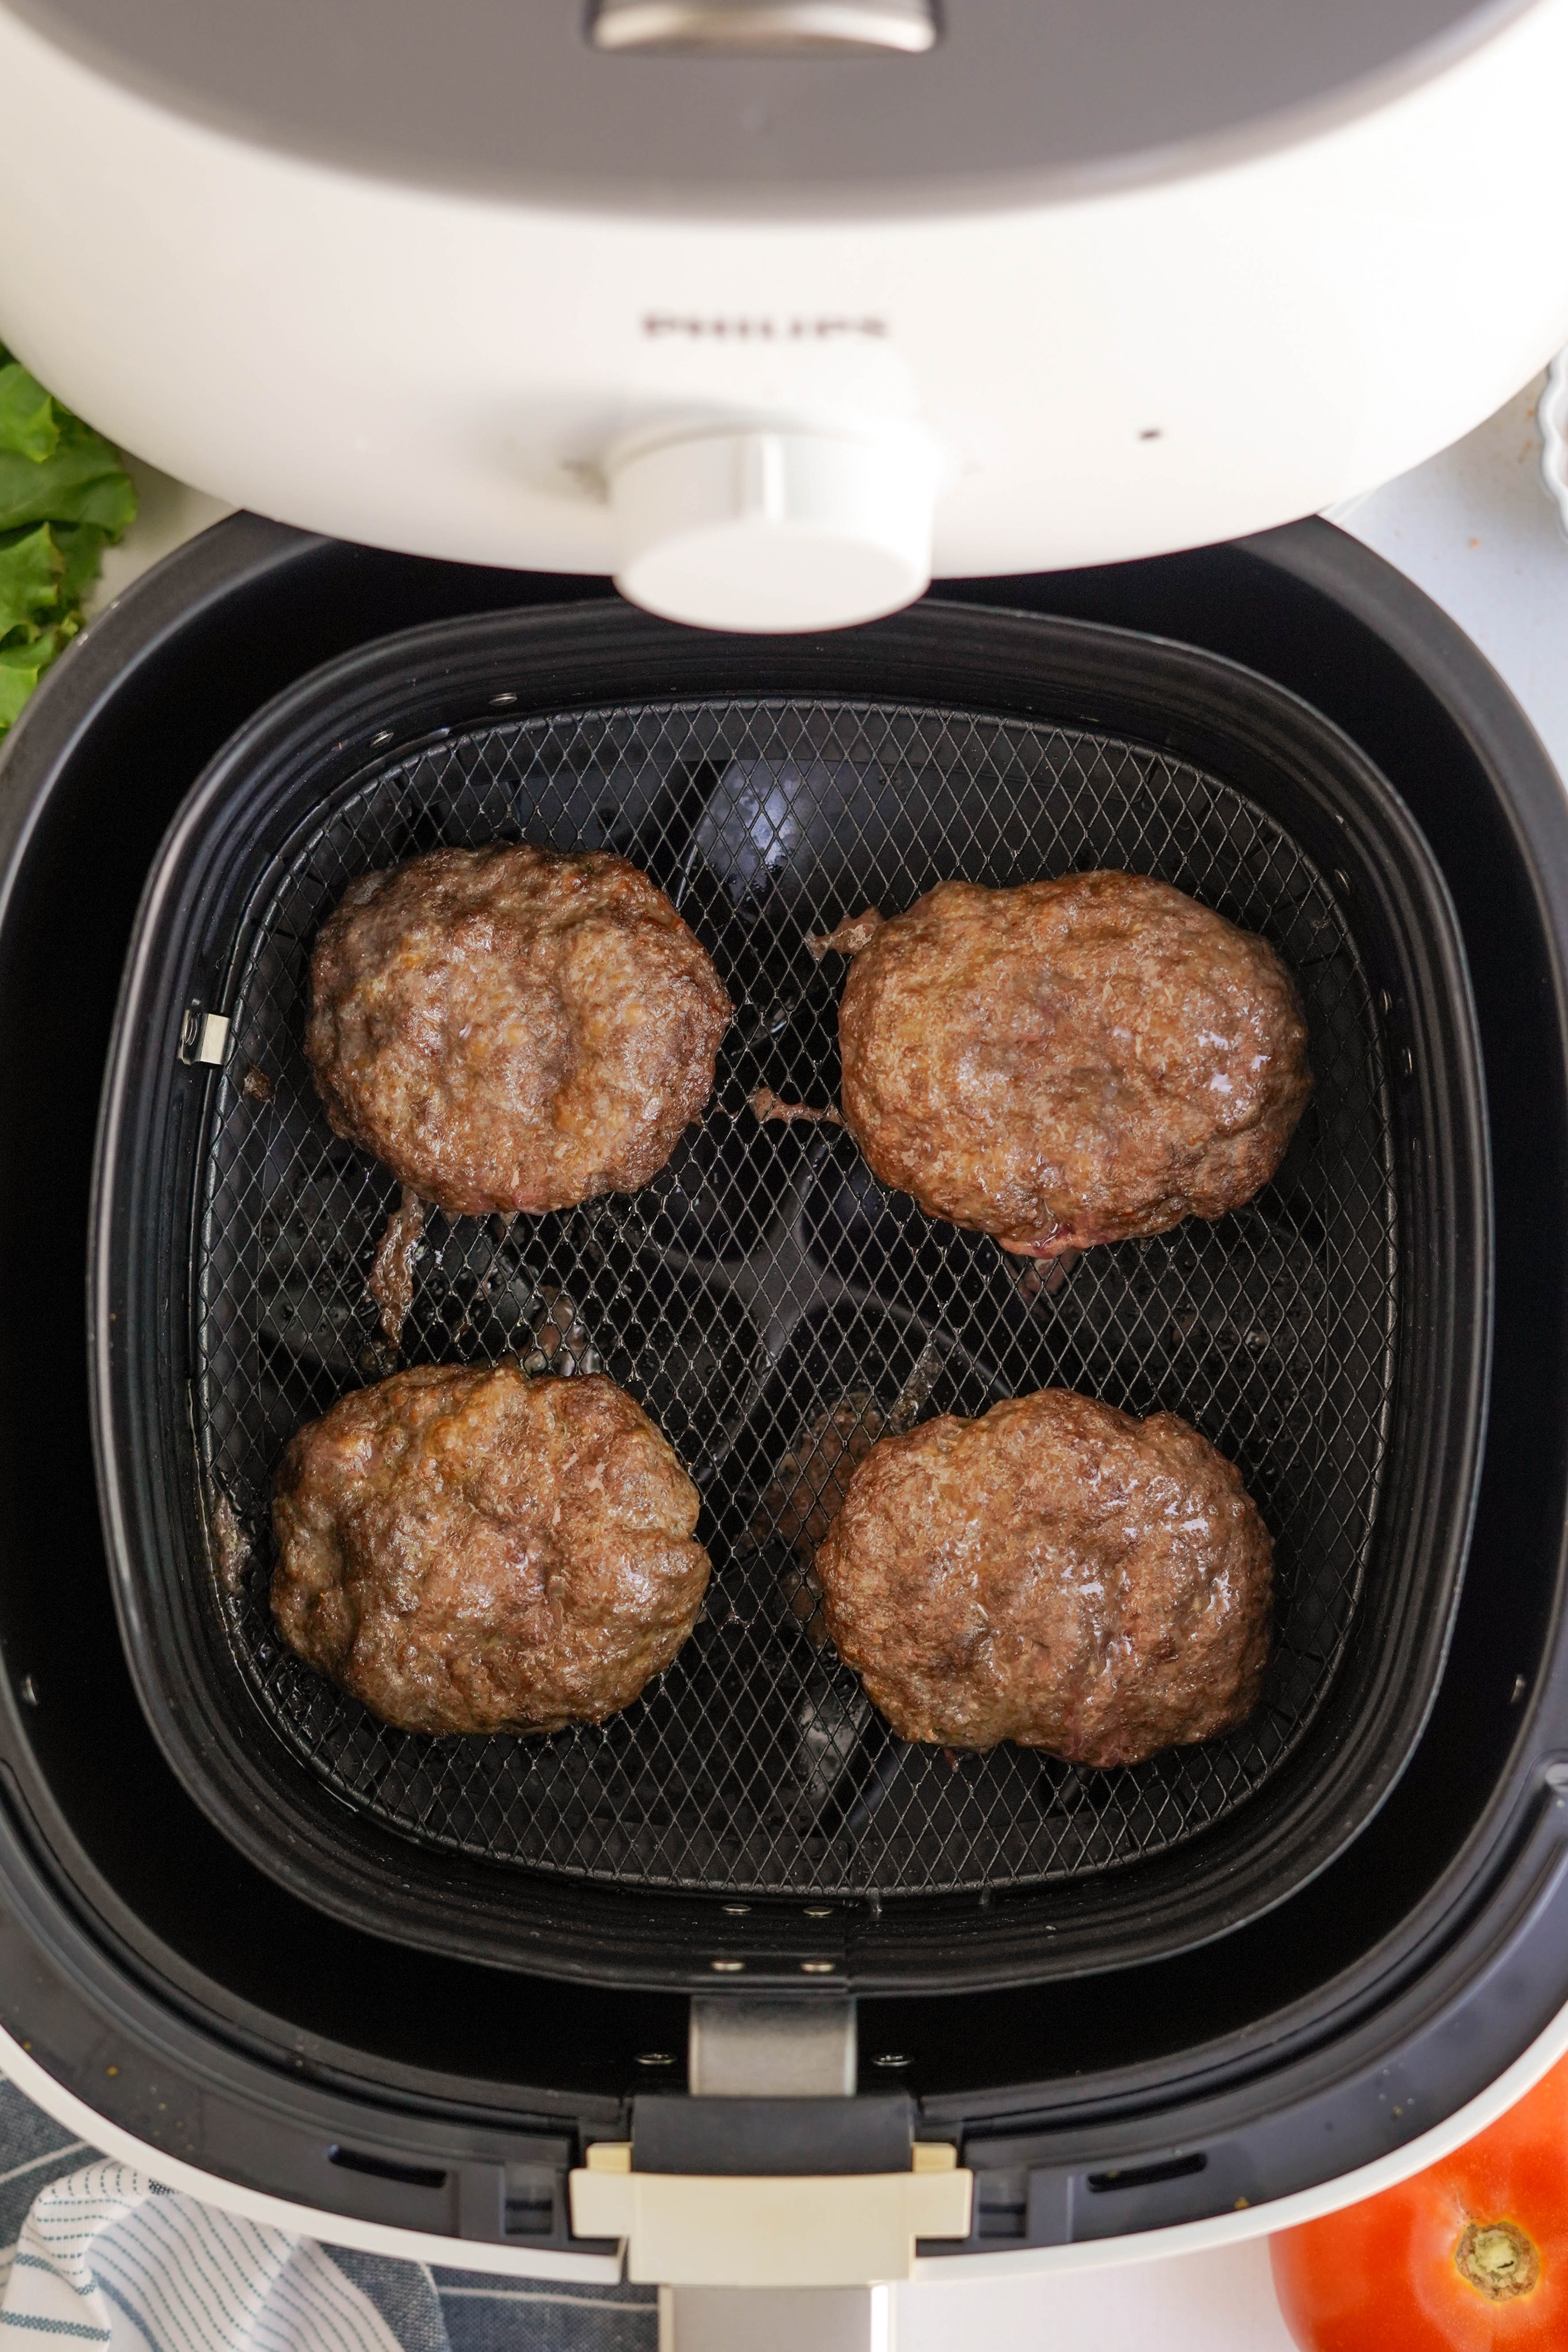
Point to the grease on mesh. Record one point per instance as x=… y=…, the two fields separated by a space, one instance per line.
x=764 y=1284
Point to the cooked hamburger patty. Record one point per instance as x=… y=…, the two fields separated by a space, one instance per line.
x=1056 y=1573
x=507 y=1028
x=469 y=1549
x=1069 y=1062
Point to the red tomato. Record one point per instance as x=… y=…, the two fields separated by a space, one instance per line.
x=1471 y=2256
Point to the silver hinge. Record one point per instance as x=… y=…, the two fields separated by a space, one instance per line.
x=758 y=2049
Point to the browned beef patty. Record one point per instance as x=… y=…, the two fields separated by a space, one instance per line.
x=511 y=1029
x=1070 y=1062
x=1056 y=1573
x=469 y=1549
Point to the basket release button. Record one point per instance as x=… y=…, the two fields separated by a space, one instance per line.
x=856 y=2229
x=765 y=529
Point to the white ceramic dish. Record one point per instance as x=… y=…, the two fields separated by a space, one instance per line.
x=1552 y=411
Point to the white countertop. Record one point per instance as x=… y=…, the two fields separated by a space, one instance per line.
x=1475 y=529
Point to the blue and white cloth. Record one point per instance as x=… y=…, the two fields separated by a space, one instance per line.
x=94 y=2253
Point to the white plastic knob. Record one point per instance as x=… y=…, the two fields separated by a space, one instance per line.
x=774 y=529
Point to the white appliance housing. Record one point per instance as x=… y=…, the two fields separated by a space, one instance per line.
x=776 y=336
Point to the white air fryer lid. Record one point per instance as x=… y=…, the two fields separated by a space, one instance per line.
x=514 y=97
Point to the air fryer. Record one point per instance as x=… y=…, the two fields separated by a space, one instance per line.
x=258 y=1932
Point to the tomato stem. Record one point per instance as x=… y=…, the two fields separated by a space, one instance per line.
x=1497 y=2259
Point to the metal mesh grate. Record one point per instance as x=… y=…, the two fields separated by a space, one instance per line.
x=764 y=1283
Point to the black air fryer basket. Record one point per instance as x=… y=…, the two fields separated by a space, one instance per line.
x=1331 y=1337
x=407 y=1981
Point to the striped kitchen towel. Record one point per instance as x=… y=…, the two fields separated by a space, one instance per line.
x=106 y=2257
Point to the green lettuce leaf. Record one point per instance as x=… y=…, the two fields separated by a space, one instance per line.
x=32 y=573
x=82 y=480
x=21 y=667
x=29 y=426
x=81 y=544
x=64 y=496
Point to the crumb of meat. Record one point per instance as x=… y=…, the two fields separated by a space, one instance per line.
x=813 y=1479
x=808 y=1487
x=769 y=1105
x=231 y=1545
x=560 y=1341
x=256 y=1084
x=390 y=1281
x=847 y=938
x=1037 y=1275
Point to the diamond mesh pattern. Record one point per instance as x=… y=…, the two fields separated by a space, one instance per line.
x=764 y=1284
